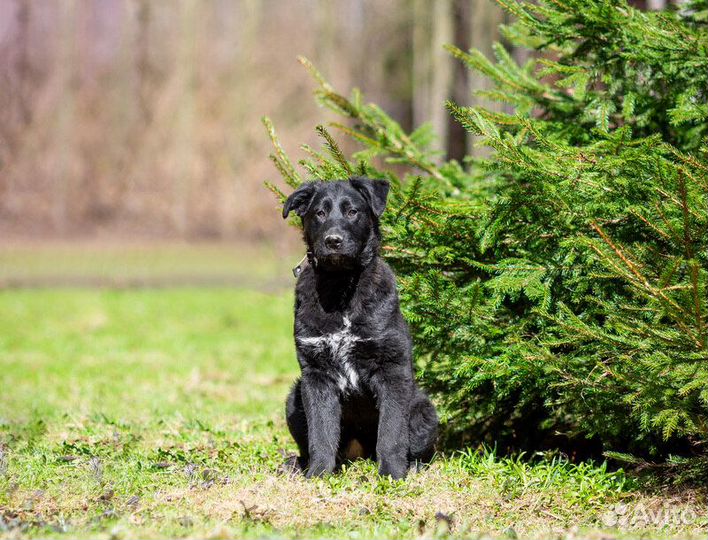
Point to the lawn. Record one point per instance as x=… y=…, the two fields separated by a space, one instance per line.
x=158 y=412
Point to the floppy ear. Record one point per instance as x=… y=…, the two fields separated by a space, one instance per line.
x=300 y=199
x=374 y=191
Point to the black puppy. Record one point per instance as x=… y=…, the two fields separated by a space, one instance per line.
x=357 y=396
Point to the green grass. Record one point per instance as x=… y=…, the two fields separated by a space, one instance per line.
x=159 y=413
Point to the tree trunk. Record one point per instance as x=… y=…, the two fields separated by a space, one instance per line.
x=64 y=127
x=432 y=65
x=485 y=18
x=184 y=144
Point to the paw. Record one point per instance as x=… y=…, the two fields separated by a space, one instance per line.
x=416 y=466
x=395 y=469
x=292 y=466
x=319 y=467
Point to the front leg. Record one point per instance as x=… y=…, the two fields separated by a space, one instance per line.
x=392 y=441
x=324 y=417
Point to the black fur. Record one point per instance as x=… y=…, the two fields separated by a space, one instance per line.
x=357 y=395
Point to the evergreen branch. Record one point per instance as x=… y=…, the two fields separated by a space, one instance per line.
x=641 y=280
x=280 y=158
x=686 y=158
x=649 y=224
x=396 y=148
x=693 y=264
x=275 y=190
x=687 y=241
x=312 y=70
x=675 y=236
x=334 y=149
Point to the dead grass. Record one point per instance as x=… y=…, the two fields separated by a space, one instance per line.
x=146 y=263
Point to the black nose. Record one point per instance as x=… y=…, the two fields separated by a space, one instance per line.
x=333 y=241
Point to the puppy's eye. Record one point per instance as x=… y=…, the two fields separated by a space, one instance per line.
x=321 y=214
x=352 y=212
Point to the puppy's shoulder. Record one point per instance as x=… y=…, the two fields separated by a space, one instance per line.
x=381 y=278
x=385 y=272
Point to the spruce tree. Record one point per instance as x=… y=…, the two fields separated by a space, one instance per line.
x=558 y=289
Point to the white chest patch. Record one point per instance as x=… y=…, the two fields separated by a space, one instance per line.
x=339 y=345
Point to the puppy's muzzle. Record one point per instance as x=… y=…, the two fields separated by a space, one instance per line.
x=333 y=241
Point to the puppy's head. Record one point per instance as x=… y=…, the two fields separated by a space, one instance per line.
x=340 y=219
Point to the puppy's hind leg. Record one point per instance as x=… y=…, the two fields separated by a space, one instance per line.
x=297 y=424
x=423 y=430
